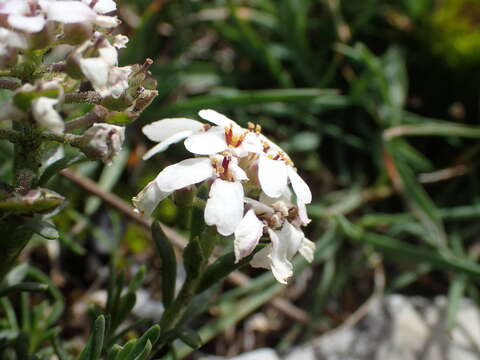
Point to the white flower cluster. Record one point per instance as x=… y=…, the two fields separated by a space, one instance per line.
x=33 y=24
x=90 y=52
x=251 y=181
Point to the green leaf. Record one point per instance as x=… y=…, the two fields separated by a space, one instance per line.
x=17 y=274
x=193 y=258
x=23 y=287
x=236 y=98
x=54 y=168
x=420 y=203
x=191 y=338
x=125 y=306
x=401 y=250
x=94 y=347
x=37 y=201
x=114 y=352
x=137 y=279
x=127 y=350
x=168 y=270
x=455 y=293
x=43 y=228
x=144 y=344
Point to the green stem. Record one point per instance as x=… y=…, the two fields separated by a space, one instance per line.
x=27 y=156
x=15 y=233
x=10 y=135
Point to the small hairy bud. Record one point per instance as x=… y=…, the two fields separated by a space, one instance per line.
x=103 y=141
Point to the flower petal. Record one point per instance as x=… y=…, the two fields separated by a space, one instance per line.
x=207 y=143
x=163 y=145
x=259 y=207
x=163 y=129
x=237 y=172
x=302 y=214
x=30 y=24
x=45 y=114
x=215 y=117
x=272 y=175
x=300 y=187
x=247 y=235
x=307 y=249
x=184 y=173
x=147 y=200
x=261 y=259
x=96 y=70
x=282 y=268
x=68 y=12
x=225 y=206
x=102 y=6
x=291 y=236
x=251 y=143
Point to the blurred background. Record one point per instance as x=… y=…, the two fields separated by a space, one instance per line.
x=377 y=103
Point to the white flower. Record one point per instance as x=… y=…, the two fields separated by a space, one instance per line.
x=227 y=135
x=224 y=207
x=105 y=76
x=284 y=245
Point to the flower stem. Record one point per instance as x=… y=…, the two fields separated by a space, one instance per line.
x=10 y=135
x=9 y=84
x=98 y=114
x=88 y=97
x=27 y=156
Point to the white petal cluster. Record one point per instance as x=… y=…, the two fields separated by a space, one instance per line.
x=31 y=16
x=24 y=22
x=240 y=164
x=102 y=70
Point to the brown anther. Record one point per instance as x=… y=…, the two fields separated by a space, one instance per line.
x=240 y=139
x=229 y=135
x=251 y=126
x=258 y=129
x=206 y=127
x=265 y=146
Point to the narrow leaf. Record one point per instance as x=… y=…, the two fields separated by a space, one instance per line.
x=168 y=270
x=58 y=165
x=191 y=338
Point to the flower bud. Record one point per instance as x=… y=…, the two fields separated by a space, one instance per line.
x=77 y=33
x=185 y=197
x=44 y=38
x=103 y=142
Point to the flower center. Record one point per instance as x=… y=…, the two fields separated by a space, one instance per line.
x=221 y=168
x=232 y=139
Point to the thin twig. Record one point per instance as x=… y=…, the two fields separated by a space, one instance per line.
x=56 y=67
x=88 y=97
x=98 y=114
x=237 y=278
x=9 y=84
